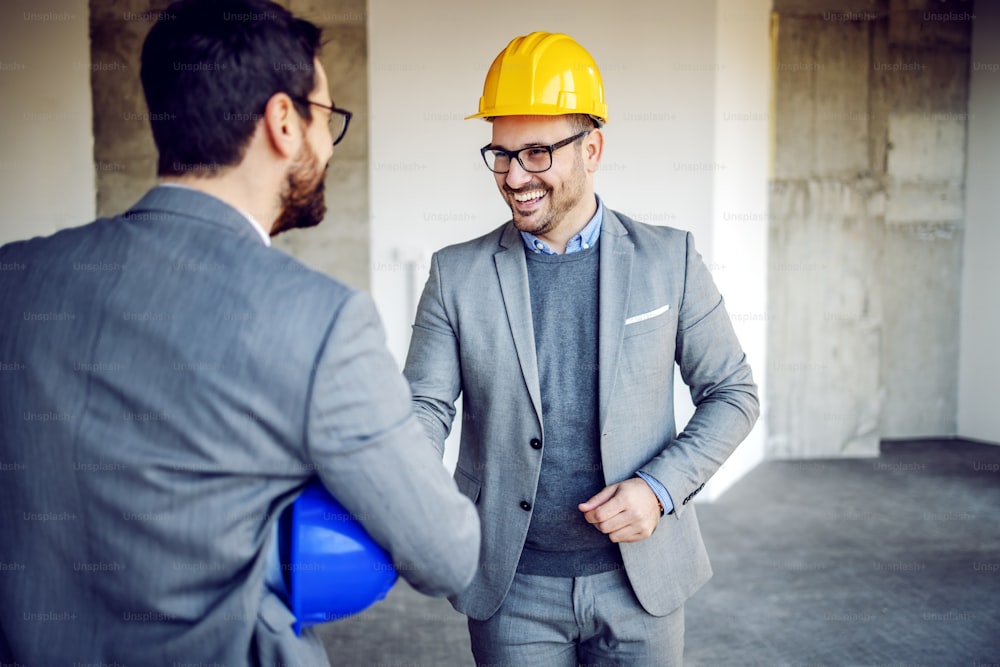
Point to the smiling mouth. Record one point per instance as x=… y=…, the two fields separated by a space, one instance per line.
x=529 y=196
x=527 y=201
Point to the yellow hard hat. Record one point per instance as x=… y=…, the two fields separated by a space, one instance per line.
x=544 y=74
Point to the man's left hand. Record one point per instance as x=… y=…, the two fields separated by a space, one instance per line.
x=626 y=512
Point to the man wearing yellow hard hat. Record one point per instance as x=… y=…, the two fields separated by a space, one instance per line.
x=560 y=329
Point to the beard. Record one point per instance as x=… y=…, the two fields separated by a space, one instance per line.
x=303 y=199
x=558 y=202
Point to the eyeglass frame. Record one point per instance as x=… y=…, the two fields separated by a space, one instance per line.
x=333 y=110
x=516 y=155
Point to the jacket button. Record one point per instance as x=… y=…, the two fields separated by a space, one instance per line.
x=525 y=505
x=536 y=443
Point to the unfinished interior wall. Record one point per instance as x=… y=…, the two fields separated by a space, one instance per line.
x=46 y=147
x=979 y=362
x=125 y=155
x=866 y=223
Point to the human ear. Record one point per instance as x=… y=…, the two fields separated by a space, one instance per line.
x=282 y=125
x=593 y=149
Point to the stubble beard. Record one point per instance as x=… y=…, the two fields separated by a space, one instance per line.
x=303 y=199
x=558 y=203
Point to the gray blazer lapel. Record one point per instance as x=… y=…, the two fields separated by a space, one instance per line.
x=512 y=270
x=615 y=282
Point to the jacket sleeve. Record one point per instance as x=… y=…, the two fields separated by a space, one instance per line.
x=367 y=447
x=716 y=371
x=433 y=367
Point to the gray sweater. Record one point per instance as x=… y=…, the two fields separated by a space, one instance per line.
x=564 y=312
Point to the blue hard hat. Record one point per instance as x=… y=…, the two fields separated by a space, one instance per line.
x=332 y=567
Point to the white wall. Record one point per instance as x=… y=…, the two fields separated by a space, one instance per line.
x=740 y=206
x=662 y=72
x=979 y=354
x=47 y=178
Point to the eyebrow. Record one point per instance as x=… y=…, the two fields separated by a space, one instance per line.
x=527 y=145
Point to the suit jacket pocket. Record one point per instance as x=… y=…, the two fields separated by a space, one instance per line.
x=646 y=321
x=648 y=348
x=467 y=484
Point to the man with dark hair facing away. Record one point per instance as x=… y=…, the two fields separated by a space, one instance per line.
x=170 y=403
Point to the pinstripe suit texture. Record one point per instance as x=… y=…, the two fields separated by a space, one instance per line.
x=177 y=384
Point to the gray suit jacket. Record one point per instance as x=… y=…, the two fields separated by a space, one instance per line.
x=169 y=385
x=658 y=305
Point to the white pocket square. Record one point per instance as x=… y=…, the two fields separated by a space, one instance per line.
x=647 y=316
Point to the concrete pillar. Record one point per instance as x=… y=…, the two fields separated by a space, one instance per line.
x=926 y=77
x=866 y=219
x=124 y=153
x=46 y=145
x=340 y=245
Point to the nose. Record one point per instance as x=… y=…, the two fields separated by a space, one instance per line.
x=516 y=177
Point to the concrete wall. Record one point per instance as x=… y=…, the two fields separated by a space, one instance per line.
x=341 y=245
x=125 y=155
x=123 y=145
x=979 y=359
x=867 y=222
x=46 y=143
x=677 y=74
x=926 y=107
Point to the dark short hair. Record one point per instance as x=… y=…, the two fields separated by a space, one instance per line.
x=208 y=69
x=581 y=121
x=578 y=122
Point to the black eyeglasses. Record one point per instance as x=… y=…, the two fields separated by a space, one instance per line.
x=339 y=118
x=534 y=159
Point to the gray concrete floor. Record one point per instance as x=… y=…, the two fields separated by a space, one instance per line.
x=888 y=562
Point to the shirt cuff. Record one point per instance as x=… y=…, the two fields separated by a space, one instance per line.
x=659 y=490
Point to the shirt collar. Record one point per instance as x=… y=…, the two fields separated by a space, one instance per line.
x=587 y=237
x=256 y=225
